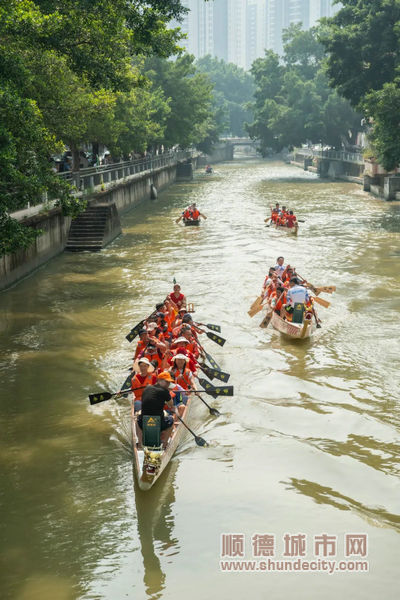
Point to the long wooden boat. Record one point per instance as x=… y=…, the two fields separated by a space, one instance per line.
x=291 y=230
x=149 y=463
x=298 y=331
x=191 y=222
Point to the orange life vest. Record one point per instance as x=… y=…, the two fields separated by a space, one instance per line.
x=150 y=379
x=183 y=378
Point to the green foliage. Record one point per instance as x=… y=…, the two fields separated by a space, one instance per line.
x=383 y=107
x=191 y=119
x=67 y=78
x=233 y=90
x=363 y=45
x=293 y=101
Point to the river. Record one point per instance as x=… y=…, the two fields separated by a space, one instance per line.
x=309 y=444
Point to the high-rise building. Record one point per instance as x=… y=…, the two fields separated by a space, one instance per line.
x=256 y=36
x=239 y=31
x=321 y=8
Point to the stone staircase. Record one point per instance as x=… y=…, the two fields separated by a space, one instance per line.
x=94 y=228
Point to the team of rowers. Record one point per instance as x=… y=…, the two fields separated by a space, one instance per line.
x=165 y=362
x=192 y=213
x=282 y=217
x=283 y=288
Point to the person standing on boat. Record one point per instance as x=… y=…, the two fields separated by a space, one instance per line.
x=296 y=294
x=140 y=380
x=154 y=398
x=279 y=267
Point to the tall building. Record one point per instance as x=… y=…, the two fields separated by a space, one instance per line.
x=321 y=8
x=256 y=35
x=239 y=31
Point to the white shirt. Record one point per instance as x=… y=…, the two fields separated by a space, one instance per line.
x=297 y=293
x=279 y=269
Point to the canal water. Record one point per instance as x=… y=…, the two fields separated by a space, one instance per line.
x=309 y=444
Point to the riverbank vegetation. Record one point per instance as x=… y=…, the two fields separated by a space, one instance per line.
x=94 y=73
x=294 y=103
x=362 y=42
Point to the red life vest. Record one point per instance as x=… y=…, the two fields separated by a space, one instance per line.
x=177 y=300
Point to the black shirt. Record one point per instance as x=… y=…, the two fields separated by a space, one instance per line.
x=153 y=399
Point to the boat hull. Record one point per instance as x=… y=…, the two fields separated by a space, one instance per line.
x=191 y=222
x=146 y=478
x=296 y=331
x=289 y=230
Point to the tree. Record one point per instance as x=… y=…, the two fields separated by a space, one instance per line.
x=233 y=90
x=191 y=120
x=362 y=42
x=66 y=77
x=293 y=101
x=363 y=45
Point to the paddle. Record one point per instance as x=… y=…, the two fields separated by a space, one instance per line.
x=216 y=328
x=256 y=302
x=226 y=390
x=213 y=411
x=215 y=338
x=328 y=289
x=316 y=319
x=177 y=220
x=103 y=396
x=267 y=319
x=321 y=301
x=199 y=440
x=214 y=373
x=210 y=359
x=134 y=332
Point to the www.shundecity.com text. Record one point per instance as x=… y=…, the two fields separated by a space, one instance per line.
x=294 y=547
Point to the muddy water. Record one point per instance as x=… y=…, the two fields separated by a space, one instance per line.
x=308 y=445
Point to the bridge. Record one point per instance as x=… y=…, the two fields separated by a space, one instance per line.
x=239 y=141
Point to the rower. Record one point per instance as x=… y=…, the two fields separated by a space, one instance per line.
x=181 y=373
x=154 y=398
x=291 y=219
x=139 y=380
x=142 y=343
x=196 y=213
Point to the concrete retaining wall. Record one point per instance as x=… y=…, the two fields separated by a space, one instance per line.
x=124 y=195
x=55 y=229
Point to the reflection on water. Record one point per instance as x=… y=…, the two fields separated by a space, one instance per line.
x=155 y=521
x=309 y=442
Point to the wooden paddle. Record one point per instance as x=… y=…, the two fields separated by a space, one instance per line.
x=177 y=220
x=253 y=311
x=267 y=319
x=328 y=289
x=321 y=301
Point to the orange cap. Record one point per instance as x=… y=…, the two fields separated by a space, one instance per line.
x=165 y=375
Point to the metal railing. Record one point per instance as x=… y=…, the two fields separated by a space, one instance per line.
x=354 y=157
x=91 y=177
